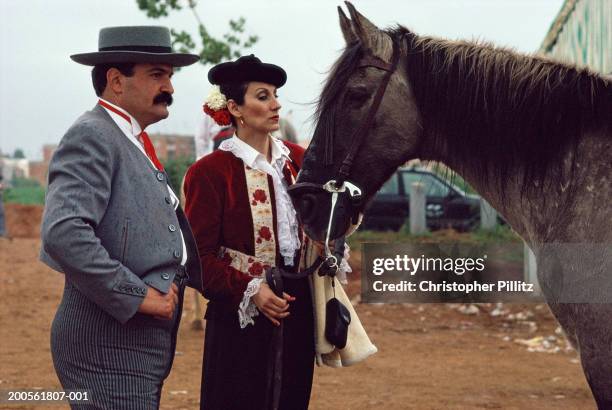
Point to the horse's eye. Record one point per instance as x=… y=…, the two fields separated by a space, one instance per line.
x=357 y=95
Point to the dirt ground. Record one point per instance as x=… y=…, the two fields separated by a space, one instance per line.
x=431 y=356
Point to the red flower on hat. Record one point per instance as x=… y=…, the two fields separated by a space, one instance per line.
x=221 y=117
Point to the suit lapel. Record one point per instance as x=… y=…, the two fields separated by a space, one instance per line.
x=100 y=112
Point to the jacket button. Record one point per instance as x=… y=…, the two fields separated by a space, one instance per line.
x=177 y=254
x=165 y=276
x=168 y=200
x=160 y=176
x=172 y=228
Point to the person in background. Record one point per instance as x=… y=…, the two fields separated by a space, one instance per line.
x=205 y=132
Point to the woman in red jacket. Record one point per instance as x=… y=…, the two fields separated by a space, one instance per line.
x=243 y=221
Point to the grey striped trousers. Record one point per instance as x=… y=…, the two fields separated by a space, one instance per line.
x=122 y=366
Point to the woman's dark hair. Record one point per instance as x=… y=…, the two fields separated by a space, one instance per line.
x=236 y=92
x=98 y=74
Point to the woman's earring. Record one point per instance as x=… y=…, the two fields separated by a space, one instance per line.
x=241 y=121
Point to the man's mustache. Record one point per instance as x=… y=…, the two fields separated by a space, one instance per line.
x=163 y=98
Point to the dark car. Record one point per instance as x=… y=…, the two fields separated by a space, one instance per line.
x=447 y=206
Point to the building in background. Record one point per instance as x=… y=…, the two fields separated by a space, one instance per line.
x=13 y=168
x=40 y=169
x=582 y=34
x=173 y=146
x=167 y=147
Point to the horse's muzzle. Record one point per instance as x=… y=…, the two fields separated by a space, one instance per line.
x=305 y=205
x=313 y=206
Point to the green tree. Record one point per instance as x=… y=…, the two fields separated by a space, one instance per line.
x=176 y=169
x=18 y=154
x=25 y=191
x=19 y=182
x=211 y=50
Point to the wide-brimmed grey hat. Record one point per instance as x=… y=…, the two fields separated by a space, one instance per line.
x=135 y=44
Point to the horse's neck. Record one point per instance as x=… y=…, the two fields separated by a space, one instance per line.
x=575 y=210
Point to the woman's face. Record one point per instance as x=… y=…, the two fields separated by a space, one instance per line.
x=260 y=109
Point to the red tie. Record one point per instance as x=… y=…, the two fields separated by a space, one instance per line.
x=150 y=150
x=144 y=137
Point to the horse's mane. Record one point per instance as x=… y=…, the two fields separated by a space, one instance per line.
x=499 y=109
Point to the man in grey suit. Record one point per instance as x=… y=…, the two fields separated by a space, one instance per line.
x=114 y=227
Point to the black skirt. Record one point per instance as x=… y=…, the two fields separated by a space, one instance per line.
x=236 y=361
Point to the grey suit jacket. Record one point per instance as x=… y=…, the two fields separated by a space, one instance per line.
x=109 y=223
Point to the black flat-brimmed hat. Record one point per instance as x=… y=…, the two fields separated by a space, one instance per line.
x=135 y=44
x=247 y=68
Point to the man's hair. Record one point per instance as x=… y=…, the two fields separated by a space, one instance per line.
x=98 y=74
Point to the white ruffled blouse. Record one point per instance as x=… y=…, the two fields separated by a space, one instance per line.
x=287 y=224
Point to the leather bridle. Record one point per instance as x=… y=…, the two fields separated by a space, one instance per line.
x=341 y=183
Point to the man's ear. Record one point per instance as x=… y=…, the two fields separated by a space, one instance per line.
x=114 y=81
x=233 y=108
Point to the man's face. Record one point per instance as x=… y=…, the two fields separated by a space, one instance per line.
x=147 y=94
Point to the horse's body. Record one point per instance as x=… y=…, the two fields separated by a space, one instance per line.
x=533 y=137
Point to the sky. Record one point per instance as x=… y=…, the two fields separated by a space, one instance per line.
x=42 y=91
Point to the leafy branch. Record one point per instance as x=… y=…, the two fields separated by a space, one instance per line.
x=211 y=50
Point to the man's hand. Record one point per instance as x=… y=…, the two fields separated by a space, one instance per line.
x=273 y=307
x=159 y=305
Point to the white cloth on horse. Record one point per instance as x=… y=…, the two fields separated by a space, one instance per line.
x=287 y=224
x=344 y=267
x=358 y=345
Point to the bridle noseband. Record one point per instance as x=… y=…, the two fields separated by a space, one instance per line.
x=341 y=184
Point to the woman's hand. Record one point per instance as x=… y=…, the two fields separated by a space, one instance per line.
x=273 y=307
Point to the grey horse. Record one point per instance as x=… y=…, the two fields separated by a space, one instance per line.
x=532 y=136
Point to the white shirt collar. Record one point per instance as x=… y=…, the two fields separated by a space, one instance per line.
x=250 y=155
x=278 y=149
x=131 y=127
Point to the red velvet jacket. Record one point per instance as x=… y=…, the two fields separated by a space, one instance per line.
x=217 y=206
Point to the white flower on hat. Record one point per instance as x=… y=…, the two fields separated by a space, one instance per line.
x=216 y=100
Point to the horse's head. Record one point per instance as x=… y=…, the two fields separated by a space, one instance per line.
x=367 y=125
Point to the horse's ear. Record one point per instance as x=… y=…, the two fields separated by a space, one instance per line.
x=346 y=27
x=378 y=42
x=363 y=27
